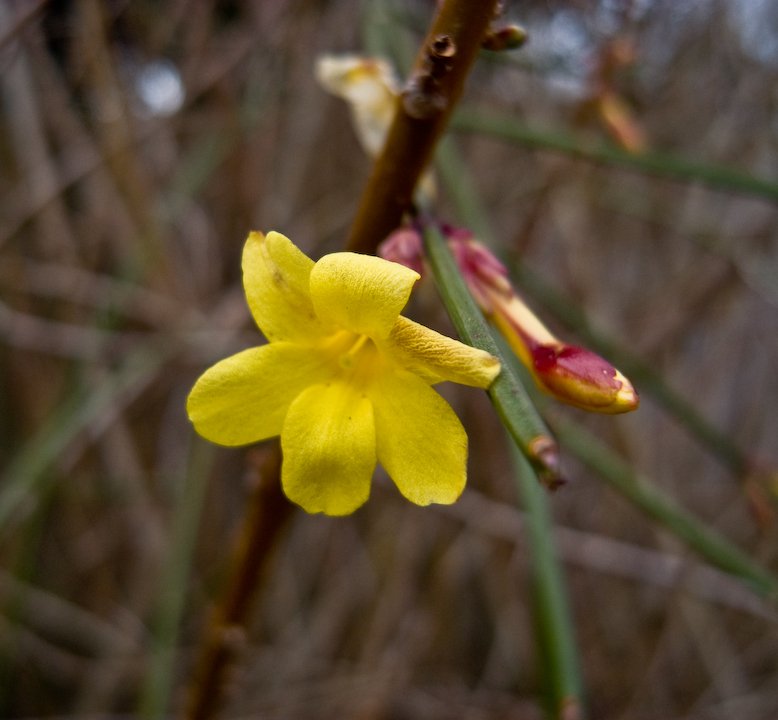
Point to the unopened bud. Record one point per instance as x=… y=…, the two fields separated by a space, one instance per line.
x=504 y=37
x=581 y=378
x=620 y=123
x=404 y=246
x=570 y=374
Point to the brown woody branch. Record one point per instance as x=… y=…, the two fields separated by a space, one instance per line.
x=431 y=93
x=225 y=636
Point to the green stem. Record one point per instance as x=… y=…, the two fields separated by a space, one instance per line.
x=665 y=510
x=155 y=696
x=28 y=475
x=507 y=394
x=554 y=625
x=553 y=621
x=507 y=128
x=456 y=178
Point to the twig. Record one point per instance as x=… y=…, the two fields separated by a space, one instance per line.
x=47 y=614
x=18 y=23
x=28 y=139
x=423 y=109
x=665 y=510
x=554 y=628
x=266 y=517
x=600 y=554
x=171 y=600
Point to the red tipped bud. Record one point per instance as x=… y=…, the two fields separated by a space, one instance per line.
x=579 y=377
x=571 y=374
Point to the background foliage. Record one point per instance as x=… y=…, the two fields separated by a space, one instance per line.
x=140 y=142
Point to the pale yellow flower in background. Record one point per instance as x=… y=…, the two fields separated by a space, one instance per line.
x=345 y=380
x=371 y=88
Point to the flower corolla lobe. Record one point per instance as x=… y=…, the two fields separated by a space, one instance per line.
x=345 y=380
x=371 y=88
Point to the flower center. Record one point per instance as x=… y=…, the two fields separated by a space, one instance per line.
x=358 y=357
x=349 y=358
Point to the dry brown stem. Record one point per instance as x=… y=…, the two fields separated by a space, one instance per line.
x=225 y=636
x=431 y=93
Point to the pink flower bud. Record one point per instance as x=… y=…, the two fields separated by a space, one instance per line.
x=571 y=374
x=404 y=246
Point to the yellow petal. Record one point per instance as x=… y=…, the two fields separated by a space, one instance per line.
x=276 y=279
x=361 y=293
x=419 y=440
x=436 y=357
x=328 y=442
x=245 y=398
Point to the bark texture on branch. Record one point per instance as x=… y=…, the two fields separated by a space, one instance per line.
x=431 y=93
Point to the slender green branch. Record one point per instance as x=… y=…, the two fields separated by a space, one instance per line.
x=507 y=393
x=431 y=93
x=461 y=189
x=665 y=510
x=29 y=472
x=649 y=498
x=554 y=624
x=507 y=128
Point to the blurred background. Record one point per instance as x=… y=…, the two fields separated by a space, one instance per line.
x=141 y=140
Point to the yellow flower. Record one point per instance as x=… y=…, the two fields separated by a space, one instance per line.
x=345 y=380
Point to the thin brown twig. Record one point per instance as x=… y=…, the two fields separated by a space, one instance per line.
x=22 y=19
x=266 y=516
x=431 y=93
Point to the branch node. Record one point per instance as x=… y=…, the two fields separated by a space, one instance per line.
x=545 y=451
x=423 y=97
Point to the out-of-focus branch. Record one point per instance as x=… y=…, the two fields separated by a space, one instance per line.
x=225 y=637
x=677 y=168
x=433 y=89
x=18 y=23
